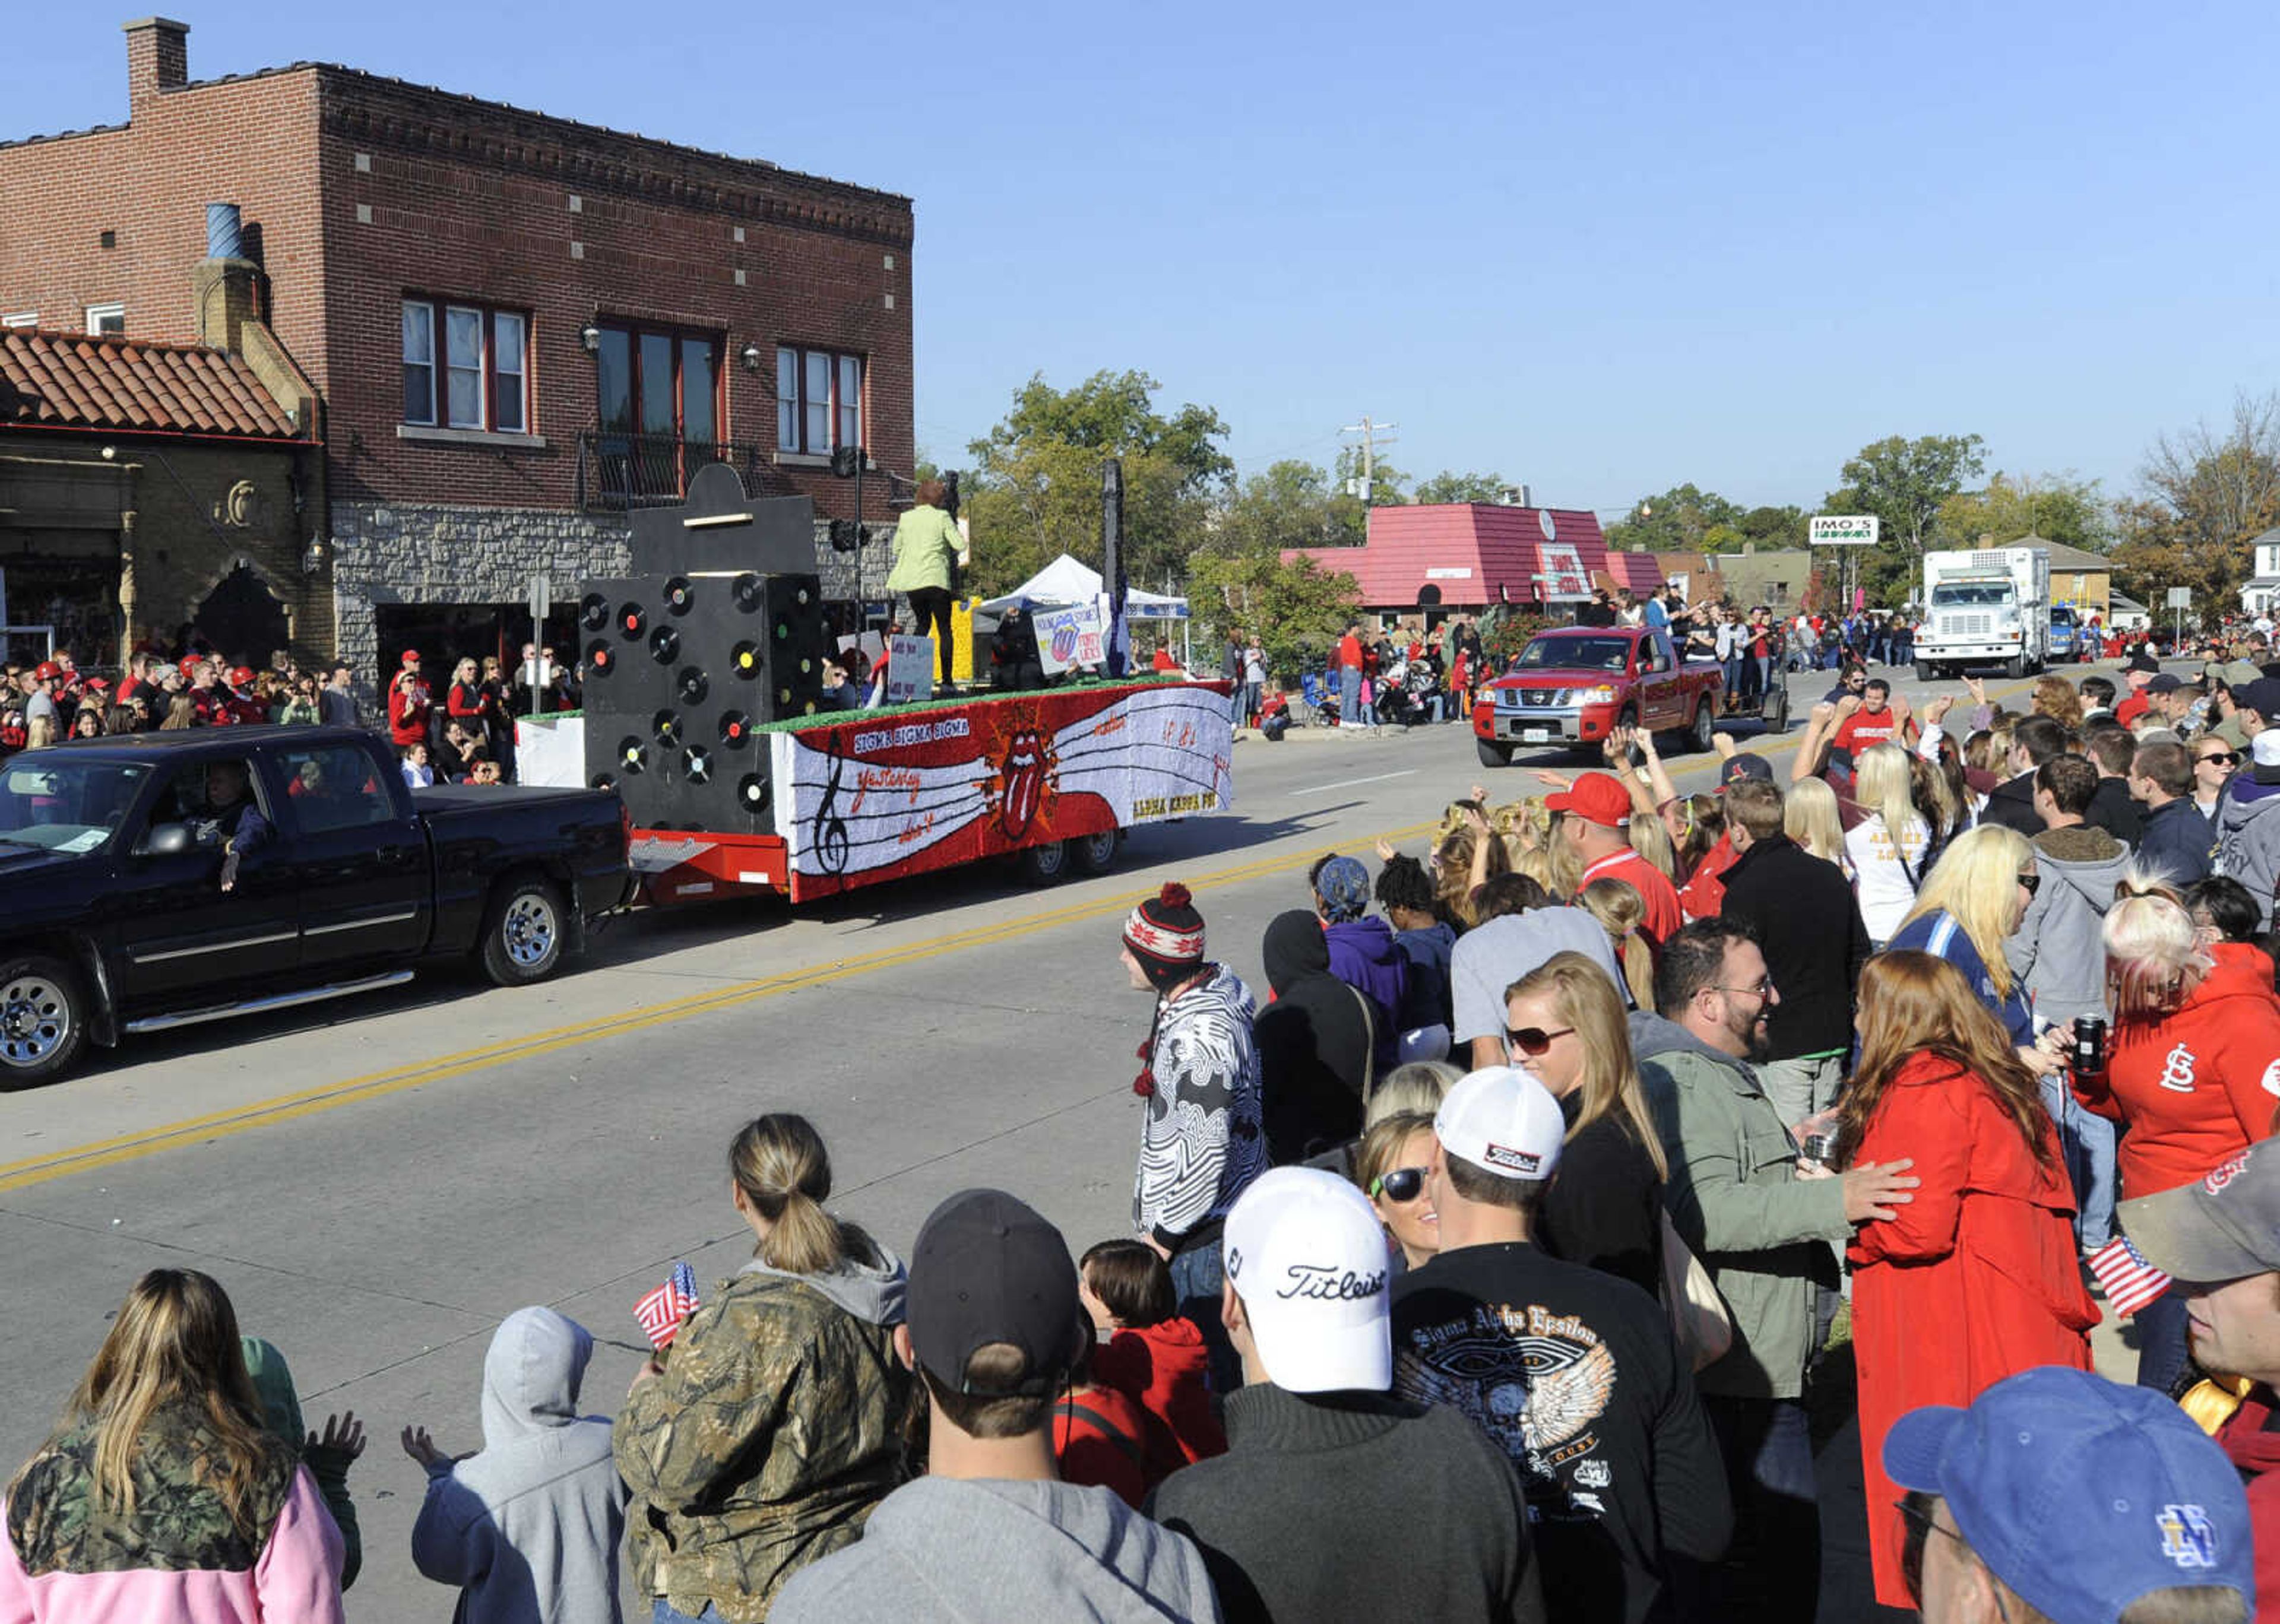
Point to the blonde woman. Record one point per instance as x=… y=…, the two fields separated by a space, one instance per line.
x=181 y=713
x=163 y=1494
x=1971 y=901
x=1567 y=1027
x=2055 y=697
x=1809 y=818
x=1886 y=849
x=1650 y=837
x=1413 y=1088
x=1461 y=855
x=1620 y=911
x=766 y=1440
x=39 y=732
x=1391 y=1169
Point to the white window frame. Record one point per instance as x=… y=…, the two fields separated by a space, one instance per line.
x=97 y=314
x=427 y=310
x=482 y=367
x=22 y=318
x=798 y=413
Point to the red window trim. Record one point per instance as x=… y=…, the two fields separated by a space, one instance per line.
x=799 y=407
x=634 y=331
x=439 y=367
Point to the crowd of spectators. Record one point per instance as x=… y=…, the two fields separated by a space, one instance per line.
x=458 y=731
x=1506 y=1264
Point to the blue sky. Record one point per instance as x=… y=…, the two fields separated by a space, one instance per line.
x=1603 y=248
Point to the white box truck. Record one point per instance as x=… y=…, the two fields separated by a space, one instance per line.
x=1988 y=606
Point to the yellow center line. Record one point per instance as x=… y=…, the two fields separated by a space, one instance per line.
x=374 y=1085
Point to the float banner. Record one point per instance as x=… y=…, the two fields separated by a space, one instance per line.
x=864 y=800
x=1068 y=637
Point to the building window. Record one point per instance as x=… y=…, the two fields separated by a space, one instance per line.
x=22 y=318
x=107 y=318
x=484 y=358
x=658 y=410
x=819 y=400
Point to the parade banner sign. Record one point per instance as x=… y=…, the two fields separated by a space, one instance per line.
x=910 y=669
x=1067 y=638
x=869 y=798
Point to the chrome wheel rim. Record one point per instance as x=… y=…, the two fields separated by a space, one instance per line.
x=35 y=1020
x=529 y=928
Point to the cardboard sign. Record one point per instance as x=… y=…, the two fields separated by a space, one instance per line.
x=1069 y=637
x=910 y=669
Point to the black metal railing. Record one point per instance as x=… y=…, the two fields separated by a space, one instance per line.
x=617 y=471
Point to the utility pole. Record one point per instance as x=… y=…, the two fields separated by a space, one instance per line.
x=1371 y=435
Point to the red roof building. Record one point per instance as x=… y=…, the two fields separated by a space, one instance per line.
x=125 y=386
x=1469 y=555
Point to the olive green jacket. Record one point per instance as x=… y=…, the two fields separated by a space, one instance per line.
x=926 y=543
x=1735 y=1197
x=774 y=1431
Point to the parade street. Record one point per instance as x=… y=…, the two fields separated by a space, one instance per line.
x=378 y=1181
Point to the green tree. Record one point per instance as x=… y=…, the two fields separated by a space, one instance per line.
x=1286 y=505
x=1903 y=483
x=1036 y=487
x=1678 y=521
x=1448 y=485
x=2207 y=495
x=1297 y=609
x=2056 y=507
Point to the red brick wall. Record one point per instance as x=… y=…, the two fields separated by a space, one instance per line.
x=473 y=201
x=469 y=199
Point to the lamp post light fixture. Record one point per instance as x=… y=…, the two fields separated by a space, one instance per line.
x=589 y=339
x=750 y=356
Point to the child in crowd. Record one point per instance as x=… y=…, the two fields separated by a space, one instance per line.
x=1149 y=1351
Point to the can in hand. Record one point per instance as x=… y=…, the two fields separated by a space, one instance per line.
x=2089 y=1057
x=1821 y=1147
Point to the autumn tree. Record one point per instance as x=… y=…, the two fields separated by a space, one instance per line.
x=2057 y=507
x=2205 y=495
x=1297 y=608
x=1904 y=482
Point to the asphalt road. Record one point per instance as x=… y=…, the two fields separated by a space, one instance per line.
x=379 y=1182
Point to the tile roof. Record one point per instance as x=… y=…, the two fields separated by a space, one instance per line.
x=1469 y=552
x=80 y=381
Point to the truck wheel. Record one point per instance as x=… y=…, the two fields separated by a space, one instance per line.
x=2015 y=666
x=523 y=932
x=1491 y=753
x=43 y=1020
x=1926 y=671
x=1775 y=710
x=1698 y=736
x=1093 y=854
x=1044 y=865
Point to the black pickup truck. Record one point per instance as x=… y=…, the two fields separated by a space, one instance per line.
x=160 y=879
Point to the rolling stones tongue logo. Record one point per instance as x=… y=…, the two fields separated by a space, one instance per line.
x=1022 y=775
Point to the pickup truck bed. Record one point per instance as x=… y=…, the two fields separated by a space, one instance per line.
x=151 y=880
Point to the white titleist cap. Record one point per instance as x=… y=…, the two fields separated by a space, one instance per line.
x=1306 y=1255
x=1502 y=1120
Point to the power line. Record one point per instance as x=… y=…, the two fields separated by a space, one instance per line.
x=1372 y=436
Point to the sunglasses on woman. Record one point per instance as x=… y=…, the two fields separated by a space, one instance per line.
x=1402 y=1185
x=2221 y=758
x=1533 y=1041
x=2032 y=881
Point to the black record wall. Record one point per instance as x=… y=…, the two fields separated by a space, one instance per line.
x=681 y=670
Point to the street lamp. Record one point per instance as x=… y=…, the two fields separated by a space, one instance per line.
x=589 y=339
x=750 y=356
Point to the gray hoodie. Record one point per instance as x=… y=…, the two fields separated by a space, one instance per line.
x=2057 y=953
x=985 y=1550
x=2248 y=838
x=530 y=1526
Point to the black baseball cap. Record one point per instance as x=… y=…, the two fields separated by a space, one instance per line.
x=1736 y=768
x=988 y=1269
x=2262 y=696
x=2165 y=682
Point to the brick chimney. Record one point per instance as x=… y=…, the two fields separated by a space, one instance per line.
x=157 y=58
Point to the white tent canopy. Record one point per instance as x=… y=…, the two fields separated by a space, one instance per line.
x=1064 y=583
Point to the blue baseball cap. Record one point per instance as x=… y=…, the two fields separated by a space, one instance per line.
x=1343 y=887
x=2080 y=1494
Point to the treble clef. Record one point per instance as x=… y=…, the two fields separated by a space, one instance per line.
x=830 y=828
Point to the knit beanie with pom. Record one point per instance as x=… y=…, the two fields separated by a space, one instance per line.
x=1166 y=935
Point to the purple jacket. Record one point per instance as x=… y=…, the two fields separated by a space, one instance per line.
x=1365 y=955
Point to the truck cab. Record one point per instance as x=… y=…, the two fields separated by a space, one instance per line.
x=2066 y=636
x=1990 y=606
x=1576 y=685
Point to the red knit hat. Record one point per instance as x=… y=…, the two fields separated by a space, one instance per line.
x=1166 y=935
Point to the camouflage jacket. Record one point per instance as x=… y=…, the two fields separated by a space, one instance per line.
x=57 y=1525
x=771 y=1435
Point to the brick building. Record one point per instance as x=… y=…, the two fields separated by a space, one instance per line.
x=519 y=326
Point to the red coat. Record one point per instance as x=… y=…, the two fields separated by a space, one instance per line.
x=407 y=716
x=1099 y=1435
x=1162 y=1369
x=2199 y=1085
x=1975 y=1279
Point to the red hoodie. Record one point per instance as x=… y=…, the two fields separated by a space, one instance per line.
x=2253 y=1447
x=1099 y=1435
x=2196 y=1086
x=1162 y=1368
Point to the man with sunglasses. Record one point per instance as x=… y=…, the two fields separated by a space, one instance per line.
x=1571 y=1371
x=2059 y=1497
x=1763 y=1225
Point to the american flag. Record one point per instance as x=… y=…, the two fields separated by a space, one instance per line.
x=2128 y=1282
x=663 y=1310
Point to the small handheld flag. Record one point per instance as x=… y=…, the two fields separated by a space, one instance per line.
x=663 y=1310
x=2128 y=1282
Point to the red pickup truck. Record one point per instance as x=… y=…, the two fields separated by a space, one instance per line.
x=1577 y=684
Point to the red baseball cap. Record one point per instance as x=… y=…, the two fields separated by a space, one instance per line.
x=46 y=670
x=410 y=657
x=1597 y=797
x=241 y=676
